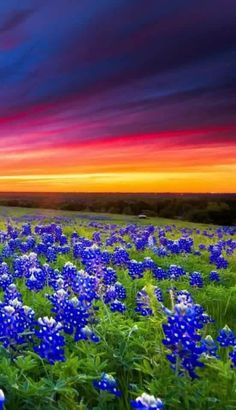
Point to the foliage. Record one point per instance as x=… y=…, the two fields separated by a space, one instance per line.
x=104 y=315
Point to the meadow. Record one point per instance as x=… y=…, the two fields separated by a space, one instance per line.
x=109 y=312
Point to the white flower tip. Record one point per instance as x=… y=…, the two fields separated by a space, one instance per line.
x=2 y=396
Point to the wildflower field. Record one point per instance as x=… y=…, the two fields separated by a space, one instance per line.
x=110 y=312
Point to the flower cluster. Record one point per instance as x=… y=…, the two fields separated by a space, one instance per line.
x=107 y=383
x=147 y=402
x=196 y=279
x=182 y=336
x=52 y=343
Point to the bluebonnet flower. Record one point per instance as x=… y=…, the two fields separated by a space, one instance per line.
x=97 y=237
x=175 y=272
x=147 y=402
x=73 y=314
x=226 y=337
x=232 y=356
x=109 y=294
x=36 y=279
x=159 y=273
x=51 y=254
x=214 y=276
x=120 y=291
x=160 y=251
x=85 y=286
x=158 y=294
x=69 y=272
x=2 y=399
x=183 y=296
x=5 y=280
x=209 y=346
x=107 y=383
x=196 y=279
x=7 y=252
x=120 y=257
x=143 y=303
x=177 y=246
x=136 y=269
x=16 y=323
x=52 y=343
x=63 y=240
x=182 y=337
x=26 y=229
x=151 y=241
x=221 y=263
x=85 y=333
x=22 y=264
x=109 y=276
x=148 y=263
x=216 y=257
x=12 y=293
x=117 y=306
x=202 y=247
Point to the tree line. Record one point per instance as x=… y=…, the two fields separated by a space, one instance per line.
x=206 y=208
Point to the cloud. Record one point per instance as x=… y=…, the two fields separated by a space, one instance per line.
x=116 y=74
x=14 y=19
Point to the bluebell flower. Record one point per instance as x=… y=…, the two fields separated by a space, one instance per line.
x=147 y=402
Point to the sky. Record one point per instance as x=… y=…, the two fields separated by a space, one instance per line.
x=117 y=95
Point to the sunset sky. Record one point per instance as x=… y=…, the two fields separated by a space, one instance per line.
x=118 y=95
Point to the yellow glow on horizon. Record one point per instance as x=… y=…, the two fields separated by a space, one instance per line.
x=218 y=179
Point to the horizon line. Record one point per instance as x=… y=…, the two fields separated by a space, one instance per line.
x=121 y=192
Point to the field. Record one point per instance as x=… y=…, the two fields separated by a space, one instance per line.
x=96 y=310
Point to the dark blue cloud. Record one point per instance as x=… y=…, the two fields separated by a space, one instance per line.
x=123 y=65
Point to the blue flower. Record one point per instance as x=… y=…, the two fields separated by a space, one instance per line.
x=16 y=323
x=196 y=279
x=87 y=334
x=232 y=356
x=107 y=383
x=209 y=346
x=2 y=399
x=147 y=402
x=143 y=303
x=182 y=336
x=175 y=272
x=214 y=276
x=117 y=306
x=52 y=343
x=226 y=337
